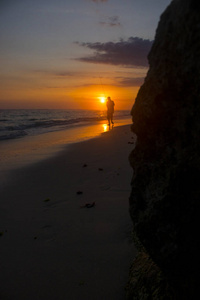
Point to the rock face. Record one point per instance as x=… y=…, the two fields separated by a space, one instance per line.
x=164 y=203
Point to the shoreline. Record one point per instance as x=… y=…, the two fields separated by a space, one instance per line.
x=22 y=152
x=51 y=247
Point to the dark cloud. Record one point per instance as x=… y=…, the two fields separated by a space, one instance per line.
x=130 y=81
x=112 y=22
x=131 y=52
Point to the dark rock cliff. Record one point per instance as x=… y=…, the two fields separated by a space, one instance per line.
x=164 y=203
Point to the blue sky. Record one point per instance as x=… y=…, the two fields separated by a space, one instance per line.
x=53 y=52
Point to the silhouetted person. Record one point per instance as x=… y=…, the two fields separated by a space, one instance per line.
x=110 y=110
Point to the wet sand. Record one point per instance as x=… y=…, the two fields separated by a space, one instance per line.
x=51 y=245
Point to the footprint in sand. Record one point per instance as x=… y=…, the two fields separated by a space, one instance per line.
x=47 y=200
x=79 y=193
x=105 y=187
x=45 y=234
x=88 y=205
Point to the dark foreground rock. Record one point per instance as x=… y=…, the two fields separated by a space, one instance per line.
x=164 y=203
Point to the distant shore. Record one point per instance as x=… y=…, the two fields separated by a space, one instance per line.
x=52 y=245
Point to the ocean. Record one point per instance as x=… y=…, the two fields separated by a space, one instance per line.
x=19 y=123
x=29 y=136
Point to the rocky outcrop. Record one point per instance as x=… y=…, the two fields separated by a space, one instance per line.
x=164 y=202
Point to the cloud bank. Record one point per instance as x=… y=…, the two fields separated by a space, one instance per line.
x=130 y=52
x=130 y=81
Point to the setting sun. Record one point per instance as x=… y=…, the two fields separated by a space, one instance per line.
x=102 y=99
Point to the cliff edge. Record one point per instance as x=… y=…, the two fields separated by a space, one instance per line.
x=164 y=202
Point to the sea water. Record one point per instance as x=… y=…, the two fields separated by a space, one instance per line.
x=18 y=123
x=27 y=136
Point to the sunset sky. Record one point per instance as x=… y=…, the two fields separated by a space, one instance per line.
x=69 y=53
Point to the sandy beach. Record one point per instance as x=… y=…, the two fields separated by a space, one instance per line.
x=52 y=247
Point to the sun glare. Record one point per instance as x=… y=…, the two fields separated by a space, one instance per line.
x=102 y=99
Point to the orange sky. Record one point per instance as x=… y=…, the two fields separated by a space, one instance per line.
x=67 y=54
x=78 y=97
x=78 y=91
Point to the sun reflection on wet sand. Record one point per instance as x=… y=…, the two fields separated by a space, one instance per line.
x=31 y=149
x=105 y=127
